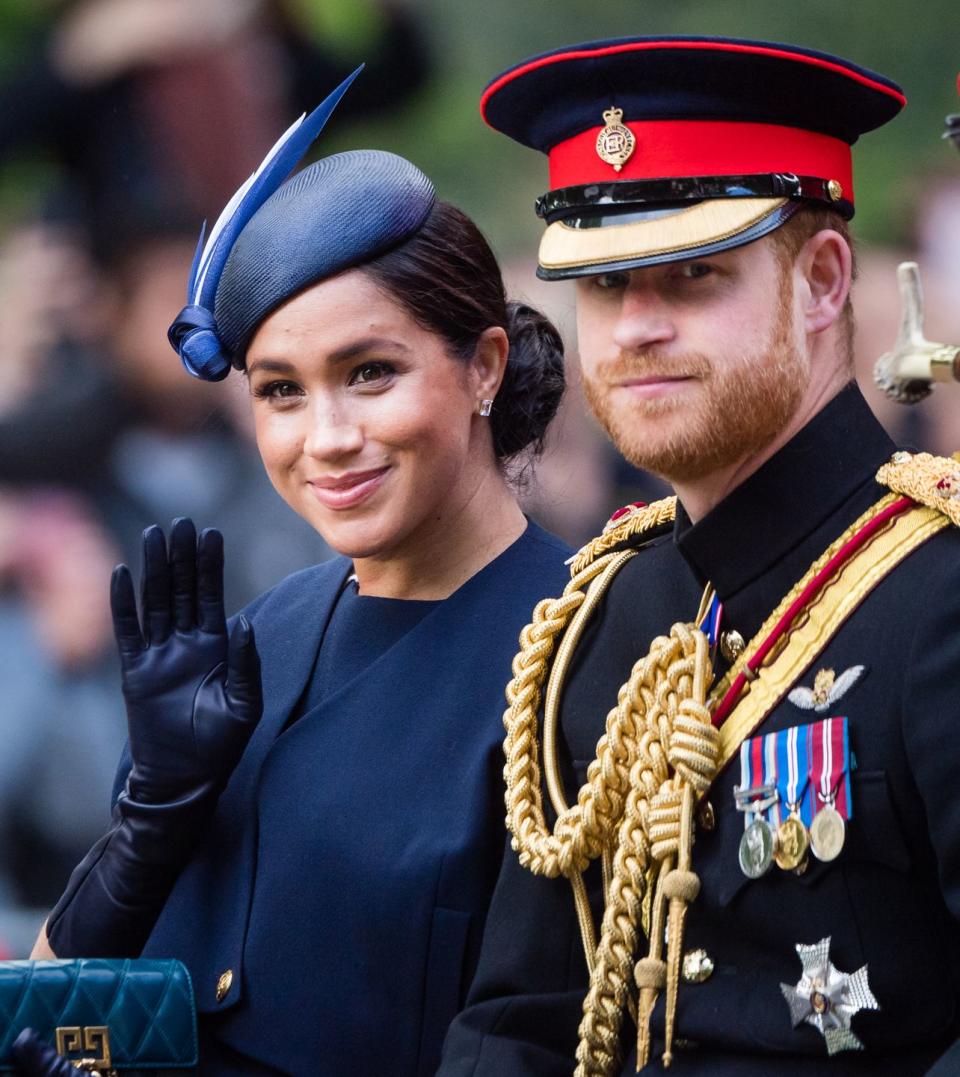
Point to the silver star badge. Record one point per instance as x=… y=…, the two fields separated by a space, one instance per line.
x=827 y=689
x=827 y=998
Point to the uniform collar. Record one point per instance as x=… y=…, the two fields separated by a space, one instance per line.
x=786 y=500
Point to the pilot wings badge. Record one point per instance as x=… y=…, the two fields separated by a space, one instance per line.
x=827 y=689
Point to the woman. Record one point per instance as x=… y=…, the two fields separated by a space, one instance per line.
x=328 y=890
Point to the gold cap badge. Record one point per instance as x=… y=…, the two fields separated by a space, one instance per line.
x=615 y=143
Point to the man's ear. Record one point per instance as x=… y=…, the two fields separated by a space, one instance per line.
x=825 y=266
x=490 y=361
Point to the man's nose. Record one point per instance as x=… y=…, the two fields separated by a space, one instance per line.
x=644 y=319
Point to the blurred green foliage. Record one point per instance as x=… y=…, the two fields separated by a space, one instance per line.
x=496 y=181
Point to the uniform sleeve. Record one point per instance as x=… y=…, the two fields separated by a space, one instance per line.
x=931 y=731
x=523 y=1010
x=931 y=724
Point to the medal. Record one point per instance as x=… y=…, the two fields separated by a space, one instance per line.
x=827 y=834
x=830 y=771
x=756 y=796
x=827 y=998
x=792 y=844
x=793 y=772
x=794 y=792
x=756 y=849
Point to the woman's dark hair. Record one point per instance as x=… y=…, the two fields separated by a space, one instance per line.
x=448 y=280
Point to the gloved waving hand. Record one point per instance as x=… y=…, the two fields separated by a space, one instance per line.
x=192 y=692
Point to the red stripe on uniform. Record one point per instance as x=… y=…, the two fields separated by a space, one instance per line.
x=846 y=551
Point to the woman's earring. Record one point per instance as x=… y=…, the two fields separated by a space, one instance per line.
x=486 y=406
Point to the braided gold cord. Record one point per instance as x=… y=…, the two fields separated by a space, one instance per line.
x=658 y=740
x=551 y=710
x=525 y=819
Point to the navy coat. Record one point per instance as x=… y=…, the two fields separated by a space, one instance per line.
x=345 y=877
x=891 y=900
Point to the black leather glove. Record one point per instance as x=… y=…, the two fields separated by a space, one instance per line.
x=193 y=699
x=35 y=1058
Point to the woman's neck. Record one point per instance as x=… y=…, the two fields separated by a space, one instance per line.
x=445 y=552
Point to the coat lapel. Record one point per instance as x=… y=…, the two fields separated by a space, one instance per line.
x=289 y=625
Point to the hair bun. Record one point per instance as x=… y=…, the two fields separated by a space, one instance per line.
x=533 y=383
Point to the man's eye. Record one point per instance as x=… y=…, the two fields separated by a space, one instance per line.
x=695 y=270
x=370 y=373
x=611 y=280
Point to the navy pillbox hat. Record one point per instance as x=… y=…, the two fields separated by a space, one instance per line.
x=275 y=238
x=337 y=213
x=665 y=148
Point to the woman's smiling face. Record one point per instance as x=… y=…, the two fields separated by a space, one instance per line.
x=366 y=424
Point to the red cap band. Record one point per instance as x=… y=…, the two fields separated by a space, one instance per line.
x=673 y=148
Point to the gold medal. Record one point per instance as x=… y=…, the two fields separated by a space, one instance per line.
x=615 y=143
x=792 y=844
x=827 y=834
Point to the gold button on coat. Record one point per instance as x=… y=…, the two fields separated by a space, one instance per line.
x=732 y=645
x=224 y=984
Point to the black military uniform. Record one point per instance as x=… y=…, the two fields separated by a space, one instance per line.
x=889 y=902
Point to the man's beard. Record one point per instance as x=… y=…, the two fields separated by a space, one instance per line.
x=740 y=409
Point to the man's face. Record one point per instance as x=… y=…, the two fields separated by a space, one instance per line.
x=694 y=366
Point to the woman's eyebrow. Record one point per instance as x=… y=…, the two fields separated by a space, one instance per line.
x=367 y=344
x=271 y=366
x=341 y=355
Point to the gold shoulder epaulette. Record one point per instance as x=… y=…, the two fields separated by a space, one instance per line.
x=625 y=524
x=933 y=481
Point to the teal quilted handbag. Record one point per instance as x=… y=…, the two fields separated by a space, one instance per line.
x=124 y=1016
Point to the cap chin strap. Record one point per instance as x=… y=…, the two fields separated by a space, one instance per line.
x=635 y=194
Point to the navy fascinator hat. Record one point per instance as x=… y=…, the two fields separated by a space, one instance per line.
x=272 y=241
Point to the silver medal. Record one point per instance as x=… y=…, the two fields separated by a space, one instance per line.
x=827 y=834
x=756 y=849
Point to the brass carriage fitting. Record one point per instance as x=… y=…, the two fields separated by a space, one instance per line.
x=907 y=374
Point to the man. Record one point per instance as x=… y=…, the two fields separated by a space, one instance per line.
x=773 y=798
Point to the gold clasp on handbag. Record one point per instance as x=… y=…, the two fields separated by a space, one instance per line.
x=74 y=1040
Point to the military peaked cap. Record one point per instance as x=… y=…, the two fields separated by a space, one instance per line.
x=661 y=149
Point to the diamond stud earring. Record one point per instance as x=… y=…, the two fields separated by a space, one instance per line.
x=486 y=406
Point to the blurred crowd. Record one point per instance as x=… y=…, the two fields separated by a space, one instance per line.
x=147 y=113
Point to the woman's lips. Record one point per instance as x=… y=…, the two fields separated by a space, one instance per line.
x=347 y=491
